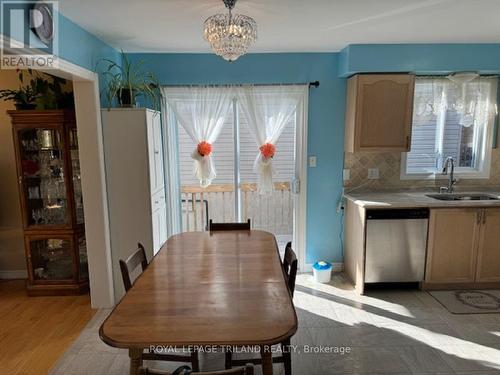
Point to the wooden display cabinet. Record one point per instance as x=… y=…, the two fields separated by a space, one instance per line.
x=48 y=170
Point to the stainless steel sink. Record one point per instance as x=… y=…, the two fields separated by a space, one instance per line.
x=464 y=197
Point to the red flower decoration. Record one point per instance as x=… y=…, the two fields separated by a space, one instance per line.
x=204 y=148
x=267 y=150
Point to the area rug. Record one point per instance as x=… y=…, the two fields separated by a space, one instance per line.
x=469 y=301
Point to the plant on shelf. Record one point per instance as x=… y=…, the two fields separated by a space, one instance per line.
x=38 y=91
x=54 y=96
x=26 y=95
x=128 y=81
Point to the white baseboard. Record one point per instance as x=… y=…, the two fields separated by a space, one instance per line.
x=13 y=274
x=337 y=267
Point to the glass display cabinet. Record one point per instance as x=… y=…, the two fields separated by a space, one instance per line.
x=48 y=169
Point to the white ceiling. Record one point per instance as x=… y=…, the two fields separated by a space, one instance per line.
x=288 y=25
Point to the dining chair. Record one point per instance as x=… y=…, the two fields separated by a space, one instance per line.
x=215 y=227
x=289 y=265
x=246 y=370
x=138 y=258
x=127 y=266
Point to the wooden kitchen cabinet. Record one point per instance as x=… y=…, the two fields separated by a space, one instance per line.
x=379 y=112
x=488 y=261
x=463 y=247
x=452 y=245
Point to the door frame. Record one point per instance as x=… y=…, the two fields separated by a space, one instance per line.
x=300 y=199
x=95 y=203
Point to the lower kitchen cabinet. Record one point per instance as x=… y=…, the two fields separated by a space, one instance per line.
x=488 y=260
x=463 y=246
x=452 y=245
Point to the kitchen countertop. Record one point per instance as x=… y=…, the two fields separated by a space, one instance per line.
x=411 y=199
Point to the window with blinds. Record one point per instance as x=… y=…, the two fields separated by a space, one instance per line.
x=451 y=119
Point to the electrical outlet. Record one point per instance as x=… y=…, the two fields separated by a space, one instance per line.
x=312 y=162
x=346 y=174
x=373 y=174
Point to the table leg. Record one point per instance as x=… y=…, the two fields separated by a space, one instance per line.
x=135 y=360
x=267 y=360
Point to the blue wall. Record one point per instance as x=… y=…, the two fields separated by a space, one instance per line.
x=81 y=47
x=326 y=122
x=420 y=58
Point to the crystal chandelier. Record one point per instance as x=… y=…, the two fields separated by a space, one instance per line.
x=230 y=34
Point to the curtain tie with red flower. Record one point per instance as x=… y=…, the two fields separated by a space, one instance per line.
x=204 y=169
x=263 y=166
x=204 y=148
x=267 y=150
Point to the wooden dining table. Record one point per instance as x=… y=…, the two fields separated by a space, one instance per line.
x=219 y=289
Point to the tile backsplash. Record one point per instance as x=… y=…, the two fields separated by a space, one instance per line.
x=389 y=166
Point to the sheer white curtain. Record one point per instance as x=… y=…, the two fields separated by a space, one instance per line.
x=268 y=110
x=201 y=111
x=472 y=98
x=172 y=176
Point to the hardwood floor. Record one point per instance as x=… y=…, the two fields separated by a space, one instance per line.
x=35 y=331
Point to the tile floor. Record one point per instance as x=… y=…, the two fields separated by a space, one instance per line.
x=384 y=332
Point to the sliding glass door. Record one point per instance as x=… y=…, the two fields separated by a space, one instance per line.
x=233 y=195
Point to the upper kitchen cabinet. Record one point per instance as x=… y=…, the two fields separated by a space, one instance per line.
x=379 y=112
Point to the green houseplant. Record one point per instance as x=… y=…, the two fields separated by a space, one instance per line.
x=54 y=96
x=128 y=81
x=40 y=91
x=26 y=96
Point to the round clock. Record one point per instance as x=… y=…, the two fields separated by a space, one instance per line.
x=42 y=22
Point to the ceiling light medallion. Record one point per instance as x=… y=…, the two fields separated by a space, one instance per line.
x=230 y=34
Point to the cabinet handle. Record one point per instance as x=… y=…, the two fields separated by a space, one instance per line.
x=479 y=216
x=408 y=143
x=484 y=217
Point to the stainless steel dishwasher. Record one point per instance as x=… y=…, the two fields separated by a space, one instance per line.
x=396 y=242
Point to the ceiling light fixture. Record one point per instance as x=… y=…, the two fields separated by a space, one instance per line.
x=230 y=34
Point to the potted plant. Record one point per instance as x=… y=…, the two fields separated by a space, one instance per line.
x=54 y=96
x=26 y=96
x=128 y=81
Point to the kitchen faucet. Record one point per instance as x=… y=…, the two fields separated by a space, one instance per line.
x=449 y=168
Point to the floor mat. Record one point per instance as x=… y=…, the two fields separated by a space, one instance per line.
x=469 y=301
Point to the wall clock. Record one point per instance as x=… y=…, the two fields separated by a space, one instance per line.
x=42 y=22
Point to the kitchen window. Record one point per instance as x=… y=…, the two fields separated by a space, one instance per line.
x=452 y=116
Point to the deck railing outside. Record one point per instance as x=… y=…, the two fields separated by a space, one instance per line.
x=273 y=213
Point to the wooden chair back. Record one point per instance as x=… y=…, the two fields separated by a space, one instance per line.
x=213 y=227
x=246 y=370
x=131 y=263
x=290 y=266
